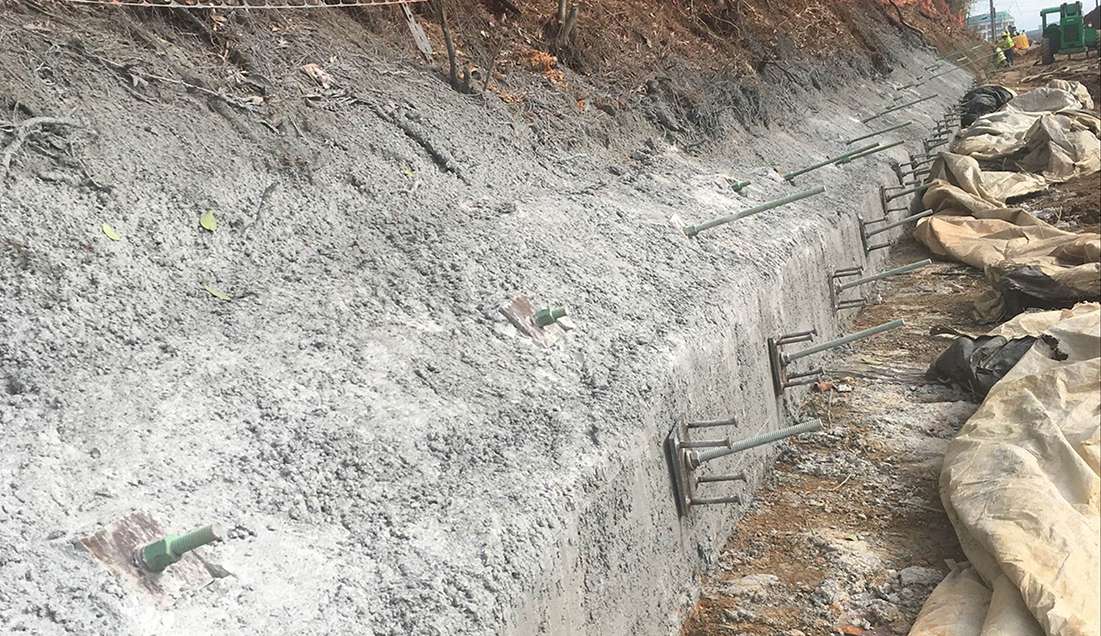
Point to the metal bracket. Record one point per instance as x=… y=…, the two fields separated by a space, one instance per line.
x=682 y=472
x=781 y=379
x=864 y=231
x=836 y=301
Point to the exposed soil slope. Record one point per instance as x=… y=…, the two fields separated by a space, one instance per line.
x=391 y=454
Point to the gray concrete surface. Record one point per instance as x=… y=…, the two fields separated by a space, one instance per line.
x=392 y=455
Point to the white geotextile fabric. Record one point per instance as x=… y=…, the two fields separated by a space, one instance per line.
x=1051 y=127
x=1021 y=485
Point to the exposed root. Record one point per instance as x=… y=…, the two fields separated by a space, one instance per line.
x=21 y=131
x=440 y=157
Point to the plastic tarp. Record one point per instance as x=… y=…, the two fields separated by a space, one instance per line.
x=983 y=100
x=1029 y=263
x=977 y=363
x=1020 y=484
x=1049 y=131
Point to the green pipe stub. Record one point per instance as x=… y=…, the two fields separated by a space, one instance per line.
x=160 y=554
x=549 y=315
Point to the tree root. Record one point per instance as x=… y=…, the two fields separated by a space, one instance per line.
x=440 y=157
x=22 y=131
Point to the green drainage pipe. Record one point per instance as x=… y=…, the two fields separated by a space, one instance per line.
x=693 y=230
x=822 y=164
x=899 y=107
x=740 y=185
x=869 y=152
x=878 y=132
x=160 y=554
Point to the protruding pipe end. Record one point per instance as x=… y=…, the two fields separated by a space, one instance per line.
x=158 y=555
x=549 y=315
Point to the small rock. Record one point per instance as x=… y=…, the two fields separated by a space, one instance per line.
x=752 y=586
x=829 y=592
x=739 y=616
x=881 y=612
x=917 y=576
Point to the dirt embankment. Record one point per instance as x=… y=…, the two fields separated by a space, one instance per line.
x=326 y=370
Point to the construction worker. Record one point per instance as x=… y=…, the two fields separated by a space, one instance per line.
x=1006 y=46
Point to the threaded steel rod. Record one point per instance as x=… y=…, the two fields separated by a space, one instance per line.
x=709 y=501
x=878 y=132
x=853 y=337
x=698 y=458
x=903 y=221
x=931 y=77
x=712 y=423
x=197 y=538
x=706 y=479
x=693 y=230
x=905 y=269
x=903 y=193
x=861 y=155
x=706 y=443
x=899 y=107
x=822 y=164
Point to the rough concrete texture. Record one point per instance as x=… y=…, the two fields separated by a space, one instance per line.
x=847 y=529
x=393 y=456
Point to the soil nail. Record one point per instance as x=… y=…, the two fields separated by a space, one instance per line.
x=878 y=132
x=549 y=315
x=832 y=160
x=693 y=230
x=899 y=107
x=160 y=554
x=894 y=271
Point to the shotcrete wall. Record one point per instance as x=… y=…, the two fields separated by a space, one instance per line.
x=391 y=454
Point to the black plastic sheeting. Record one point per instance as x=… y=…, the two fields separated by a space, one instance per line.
x=981 y=101
x=977 y=364
x=1026 y=287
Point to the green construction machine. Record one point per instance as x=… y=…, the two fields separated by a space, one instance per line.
x=1067 y=36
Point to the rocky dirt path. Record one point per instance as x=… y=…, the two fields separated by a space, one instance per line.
x=848 y=536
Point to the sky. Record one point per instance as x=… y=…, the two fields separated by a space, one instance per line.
x=1026 y=13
